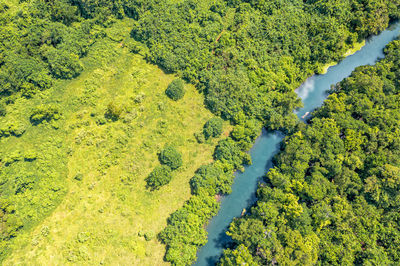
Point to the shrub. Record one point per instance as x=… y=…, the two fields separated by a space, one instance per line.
x=175 y=90
x=160 y=176
x=44 y=113
x=12 y=129
x=114 y=111
x=199 y=137
x=171 y=157
x=78 y=177
x=212 y=128
x=149 y=235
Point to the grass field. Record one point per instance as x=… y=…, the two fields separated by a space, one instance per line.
x=102 y=164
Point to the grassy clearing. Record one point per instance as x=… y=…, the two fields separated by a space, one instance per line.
x=107 y=209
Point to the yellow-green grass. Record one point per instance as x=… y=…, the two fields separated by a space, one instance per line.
x=356 y=47
x=101 y=217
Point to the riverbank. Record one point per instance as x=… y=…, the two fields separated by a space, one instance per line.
x=313 y=93
x=306 y=213
x=356 y=47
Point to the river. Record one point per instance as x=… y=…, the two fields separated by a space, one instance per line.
x=312 y=92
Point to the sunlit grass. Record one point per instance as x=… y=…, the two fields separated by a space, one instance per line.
x=107 y=206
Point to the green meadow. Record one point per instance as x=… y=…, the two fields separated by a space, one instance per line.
x=91 y=204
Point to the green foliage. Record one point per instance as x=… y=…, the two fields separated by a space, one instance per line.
x=3 y=110
x=212 y=180
x=332 y=197
x=149 y=235
x=245 y=133
x=249 y=56
x=185 y=232
x=238 y=256
x=44 y=113
x=175 y=90
x=12 y=129
x=213 y=128
x=160 y=176
x=114 y=111
x=229 y=152
x=39 y=43
x=63 y=64
x=10 y=222
x=171 y=157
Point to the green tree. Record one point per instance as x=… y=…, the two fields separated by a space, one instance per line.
x=238 y=256
x=171 y=157
x=213 y=128
x=175 y=90
x=114 y=111
x=160 y=176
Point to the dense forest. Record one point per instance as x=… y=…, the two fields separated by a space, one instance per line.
x=249 y=56
x=246 y=57
x=333 y=196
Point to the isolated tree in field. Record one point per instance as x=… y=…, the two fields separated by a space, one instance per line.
x=113 y=111
x=175 y=90
x=212 y=128
x=171 y=157
x=160 y=176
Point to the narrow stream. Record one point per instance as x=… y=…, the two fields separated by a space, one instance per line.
x=313 y=93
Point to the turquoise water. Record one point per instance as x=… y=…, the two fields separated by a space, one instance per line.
x=312 y=93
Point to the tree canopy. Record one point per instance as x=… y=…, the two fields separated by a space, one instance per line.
x=175 y=90
x=333 y=196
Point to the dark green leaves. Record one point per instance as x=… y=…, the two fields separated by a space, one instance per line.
x=171 y=157
x=175 y=90
x=160 y=176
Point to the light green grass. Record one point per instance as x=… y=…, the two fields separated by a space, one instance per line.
x=99 y=219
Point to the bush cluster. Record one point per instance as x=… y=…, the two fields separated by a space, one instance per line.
x=44 y=113
x=170 y=160
x=160 y=176
x=171 y=157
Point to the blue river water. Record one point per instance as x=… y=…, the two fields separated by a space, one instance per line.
x=312 y=92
